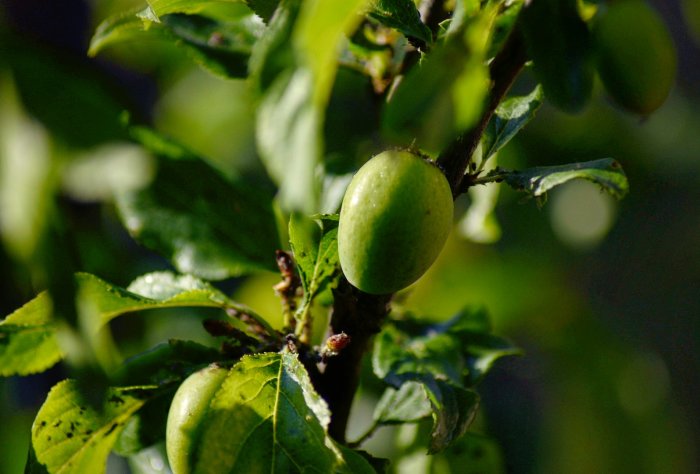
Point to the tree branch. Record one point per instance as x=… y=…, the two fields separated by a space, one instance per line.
x=360 y=316
x=504 y=68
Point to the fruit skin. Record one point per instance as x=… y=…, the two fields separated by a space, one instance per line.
x=635 y=56
x=395 y=219
x=187 y=410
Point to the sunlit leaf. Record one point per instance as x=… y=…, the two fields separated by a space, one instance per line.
x=267 y=417
x=402 y=15
x=28 y=341
x=71 y=436
x=606 y=172
x=509 y=118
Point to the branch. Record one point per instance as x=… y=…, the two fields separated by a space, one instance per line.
x=360 y=316
x=504 y=68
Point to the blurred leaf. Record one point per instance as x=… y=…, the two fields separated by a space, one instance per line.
x=27 y=339
x=28 y=336
x=295 y=67
x=71 y=436
x=407 y=404
x=166 y=361
x=479 y=224
x=472 y=454
x=273 y=420
x=444 y=95
x=26 y=176
x=402 y=15
x=103 y=172
x=69 y=96
x=288 y=136
x=207 y=225
x=152 y=460
x=221 y=47
x=33 y=466
x=509 y=118
x=605 y=172
x=146 y=426
x=559 y=44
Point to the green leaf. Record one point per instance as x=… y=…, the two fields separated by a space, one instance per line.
x=454 y=409
x=315 y=246
x=474 y=454
x=560 y=47
x=206 y=224
x=27 y=179
x=444 y=94
x=435 y=364
x=605 y=172
x=288 y=135
x=266 y=417
x=158 y=8
x=510 y=117
x=146 y=426
x=71 y=98
x=27 y=339
x=169 y=361
x=294 y=67
x=407 y=404
x=71 y=436
x=221 y=47
x=402 y=15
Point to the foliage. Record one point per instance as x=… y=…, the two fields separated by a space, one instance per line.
x=437 y=82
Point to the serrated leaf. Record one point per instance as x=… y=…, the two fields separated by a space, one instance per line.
x=207 y=225
x=402 y=15
x=605 y=172
x=510 y=117
x=158 y=8
x=442 y=361
x=315 y=246
x=70 y=436
x=28 y=340
x=266 y=417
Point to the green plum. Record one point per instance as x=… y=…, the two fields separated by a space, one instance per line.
x=187 y=410
x=395 y=218
x=635 y=55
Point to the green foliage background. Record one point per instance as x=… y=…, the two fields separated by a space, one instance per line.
x=609 y=322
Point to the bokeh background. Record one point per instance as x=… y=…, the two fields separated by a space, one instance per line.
x=603 y=296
